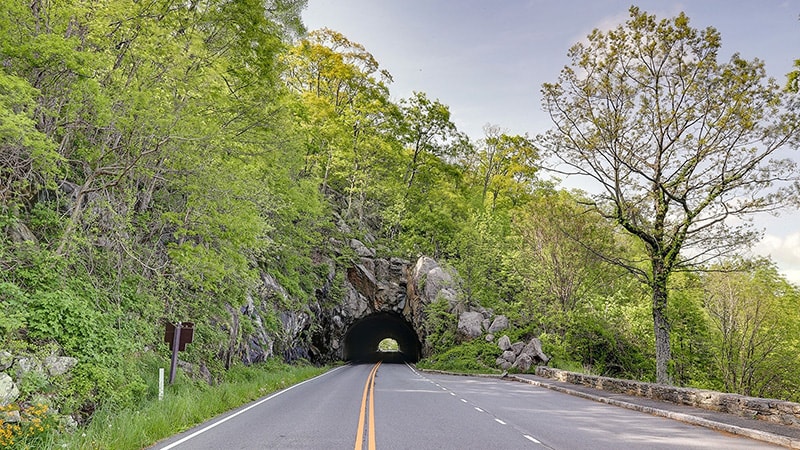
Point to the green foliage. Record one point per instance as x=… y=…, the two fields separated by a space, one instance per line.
x=614 y=117
x=388 y=345
x=14 y=303
x=504 y=167
x=485 y=262
x=602 y=345
x=476 y=356
x=752 y=312
x=24 y=149
x=440 y=326
x=560 y=352
x=70 y=320
x=160 y=160
x=692 y=343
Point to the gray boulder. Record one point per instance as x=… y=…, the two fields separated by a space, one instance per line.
x=20 y=233
x=12 y=416
x=437 y=280
x=59 y=365
x=353 y=304
x=503 y=364
x=504 y=343
x=469 y=324
x=517 y=347
x=363 y=280
x=8 y=389
x=534 y=349
x=26 y=365
x=499 y=323
x=430 y=282
x=523 y=363
x=509 y=356
x=6 y=359
x=424 y=265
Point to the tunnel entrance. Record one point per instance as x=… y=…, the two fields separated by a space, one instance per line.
x=362 y=340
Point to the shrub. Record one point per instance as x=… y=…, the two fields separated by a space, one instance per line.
x=476 y=356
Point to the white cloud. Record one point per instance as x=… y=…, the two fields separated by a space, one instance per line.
x=785 y=251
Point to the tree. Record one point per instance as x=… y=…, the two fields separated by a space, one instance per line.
x=679 y=144
x=427 y=129
x=753 y=313
x=346 y=107
x=553 y=239
x=504 y=164
x=23 y=149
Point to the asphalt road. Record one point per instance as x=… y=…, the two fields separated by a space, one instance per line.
x=392 y=406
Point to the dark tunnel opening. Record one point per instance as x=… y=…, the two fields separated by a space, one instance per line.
x=362 y=339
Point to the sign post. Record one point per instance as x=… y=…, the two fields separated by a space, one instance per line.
x=178 y=335
x=176 y=339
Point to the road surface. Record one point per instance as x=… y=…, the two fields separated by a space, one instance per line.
x=393 y=406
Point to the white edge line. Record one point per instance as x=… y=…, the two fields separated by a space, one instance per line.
x=499 y=421
x=223 y=420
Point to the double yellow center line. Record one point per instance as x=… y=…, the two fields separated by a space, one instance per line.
x=369 y=392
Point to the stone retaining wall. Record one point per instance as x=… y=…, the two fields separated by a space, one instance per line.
x=775 y=411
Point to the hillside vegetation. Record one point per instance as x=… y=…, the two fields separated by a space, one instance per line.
x=159 y=160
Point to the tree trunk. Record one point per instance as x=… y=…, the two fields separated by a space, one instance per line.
x=661 y=324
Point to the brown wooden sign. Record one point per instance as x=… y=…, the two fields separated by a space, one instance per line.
x=185 y=335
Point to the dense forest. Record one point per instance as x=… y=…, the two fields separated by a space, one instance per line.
x=158 y=157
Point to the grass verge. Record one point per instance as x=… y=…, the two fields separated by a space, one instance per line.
x=186 y=403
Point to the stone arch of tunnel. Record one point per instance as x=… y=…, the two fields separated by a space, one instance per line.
x=362 y=339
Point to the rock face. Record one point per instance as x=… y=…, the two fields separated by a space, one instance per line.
x=520 y=356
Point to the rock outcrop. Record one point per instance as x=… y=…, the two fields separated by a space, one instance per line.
x=368 y=286
x=21 y=365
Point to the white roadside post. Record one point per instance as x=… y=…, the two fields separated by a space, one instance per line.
x=160 y=383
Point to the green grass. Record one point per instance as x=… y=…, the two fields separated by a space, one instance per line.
x=186 y=403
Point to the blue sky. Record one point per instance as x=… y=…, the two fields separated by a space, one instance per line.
x=487 y=59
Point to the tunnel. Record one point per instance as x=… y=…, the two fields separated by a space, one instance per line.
x=362 y=339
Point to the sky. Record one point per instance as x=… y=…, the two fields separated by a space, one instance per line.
x=487 y=60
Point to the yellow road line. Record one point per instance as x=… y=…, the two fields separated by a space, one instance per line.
x=369 y=391
x=371 y=432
